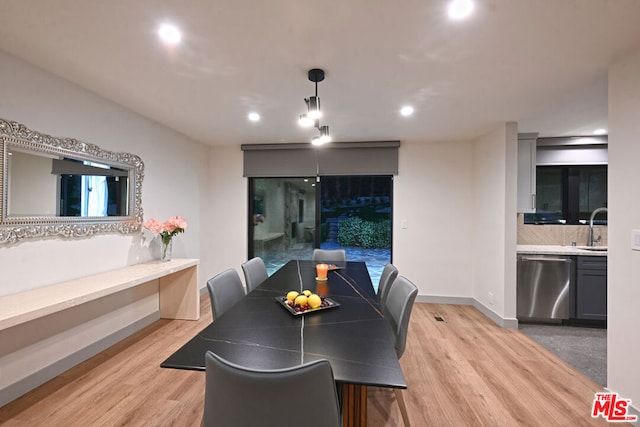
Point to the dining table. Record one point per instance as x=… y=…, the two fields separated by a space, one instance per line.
x=261 y=332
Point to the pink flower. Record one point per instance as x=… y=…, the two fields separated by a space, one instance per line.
x=168 y=229
x=175 y=223
x=154 y=226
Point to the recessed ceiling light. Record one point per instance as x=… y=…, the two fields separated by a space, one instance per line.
x=254 y=117
x=600 y=132
x=460 y=9
x=169 y=34
x=407 y=110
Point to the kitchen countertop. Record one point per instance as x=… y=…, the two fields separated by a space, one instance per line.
x=559 y=250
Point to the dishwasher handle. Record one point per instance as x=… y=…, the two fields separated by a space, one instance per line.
x=546 y=259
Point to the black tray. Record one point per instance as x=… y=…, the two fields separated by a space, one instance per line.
x=282 y=301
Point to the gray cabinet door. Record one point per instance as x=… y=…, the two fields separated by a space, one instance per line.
x=591 y=294
x=527 y=172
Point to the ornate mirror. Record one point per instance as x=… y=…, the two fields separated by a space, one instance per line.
x=61 y=186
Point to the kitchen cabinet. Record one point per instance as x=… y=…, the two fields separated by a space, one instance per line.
x=527 y=172
x=591 y=288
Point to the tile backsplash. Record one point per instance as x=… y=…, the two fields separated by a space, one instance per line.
x=553 y=234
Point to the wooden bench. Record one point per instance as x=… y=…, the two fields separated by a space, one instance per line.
x=178 y=293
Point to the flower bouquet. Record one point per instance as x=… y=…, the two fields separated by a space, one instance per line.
x=166 y=230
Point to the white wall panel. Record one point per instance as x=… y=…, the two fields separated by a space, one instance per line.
x=623 y=316
x=433 y=193
x=494 y=221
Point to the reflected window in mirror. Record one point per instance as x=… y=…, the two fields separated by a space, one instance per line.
x=43 y=185
x=63 y=186
x=99 y=191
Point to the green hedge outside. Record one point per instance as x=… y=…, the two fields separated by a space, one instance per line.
x=365 y=234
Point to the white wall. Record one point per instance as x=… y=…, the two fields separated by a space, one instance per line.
x=510 y=224
x=227 y=212
x=494 y=220
x=623 y=315
x=433 y=192
x=176 y=182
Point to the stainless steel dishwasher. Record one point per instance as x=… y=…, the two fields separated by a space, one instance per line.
x=543 y=288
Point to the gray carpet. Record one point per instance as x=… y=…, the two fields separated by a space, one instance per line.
x=583 y=348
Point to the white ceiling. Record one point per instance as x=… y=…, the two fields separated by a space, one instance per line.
x=542 y=63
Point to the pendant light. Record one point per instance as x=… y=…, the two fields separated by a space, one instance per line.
x=314 y=113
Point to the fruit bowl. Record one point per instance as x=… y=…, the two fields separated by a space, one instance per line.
x=298 y=310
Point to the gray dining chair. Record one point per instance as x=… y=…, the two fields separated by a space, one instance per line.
x=389 y=274
x=329 y=255
x=225 y=289
x=397 y=312
x=254 y=273
x=300 y=395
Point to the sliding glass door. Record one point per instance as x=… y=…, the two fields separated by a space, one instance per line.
x=282 y=219
x=355 y=215
x=289 y=217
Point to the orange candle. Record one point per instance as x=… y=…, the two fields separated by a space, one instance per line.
x=321 y=271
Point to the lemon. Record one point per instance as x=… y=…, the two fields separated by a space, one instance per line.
x=291 y=296
x=301 y=300
x=314 y=301
x=307 y=292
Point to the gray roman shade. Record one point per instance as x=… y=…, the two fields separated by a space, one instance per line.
x=346 y=158
x=66 y=167
x=567 y=151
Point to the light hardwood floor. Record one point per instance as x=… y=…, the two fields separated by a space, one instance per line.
x=465 y=371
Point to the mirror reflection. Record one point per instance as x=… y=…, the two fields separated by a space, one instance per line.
x=48 y=185
x=66 y=187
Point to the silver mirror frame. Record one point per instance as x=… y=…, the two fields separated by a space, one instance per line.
x=13 y=229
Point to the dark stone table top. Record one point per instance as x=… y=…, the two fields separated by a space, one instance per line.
x=259 y=332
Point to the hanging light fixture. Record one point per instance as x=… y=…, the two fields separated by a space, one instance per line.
x=305 y=121
x=324 y=134
x=323 y=138
x=313 y=105
x=314 y=113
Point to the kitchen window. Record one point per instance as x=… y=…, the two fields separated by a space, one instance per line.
x=568 y=194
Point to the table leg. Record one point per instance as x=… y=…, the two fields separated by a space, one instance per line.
x=354 y=405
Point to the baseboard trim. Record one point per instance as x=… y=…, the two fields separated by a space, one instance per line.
x=503 y=322
x=36 y=379
x=435 y=299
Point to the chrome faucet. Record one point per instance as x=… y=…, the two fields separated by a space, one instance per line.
x=593 y=214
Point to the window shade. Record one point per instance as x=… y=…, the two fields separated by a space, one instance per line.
x=572 y=151
x=348 y=158
x=593 y=155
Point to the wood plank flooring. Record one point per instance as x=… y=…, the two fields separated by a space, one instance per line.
x=465 y=371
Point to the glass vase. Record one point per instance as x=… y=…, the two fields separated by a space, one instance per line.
x=165 y=251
